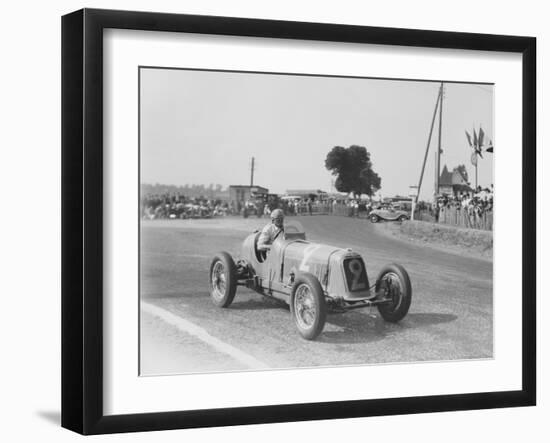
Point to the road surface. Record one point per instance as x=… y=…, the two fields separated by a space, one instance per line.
x=181 y=331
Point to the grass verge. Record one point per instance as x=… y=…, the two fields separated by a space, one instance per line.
x=453 y=239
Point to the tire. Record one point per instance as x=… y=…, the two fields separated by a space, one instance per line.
x=308 y=306
x=403 y=218
x=374 y=218
x=399 y=290
x=223 y=279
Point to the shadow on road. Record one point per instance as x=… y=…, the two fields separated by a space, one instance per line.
x=360 y=328
x=354 y=328
x=258 y=304
x=425 y=319
x=175 y=294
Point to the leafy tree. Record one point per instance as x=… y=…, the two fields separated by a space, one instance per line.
x=353 y=170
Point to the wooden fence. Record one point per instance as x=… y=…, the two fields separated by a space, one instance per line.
x=450 y=216
x=329 y=209
x=463 y=218
x=313 y=209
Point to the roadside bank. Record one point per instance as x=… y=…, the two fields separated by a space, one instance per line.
x=449 y=238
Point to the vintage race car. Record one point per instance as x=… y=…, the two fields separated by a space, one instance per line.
x=312 y=278
x=388 y=214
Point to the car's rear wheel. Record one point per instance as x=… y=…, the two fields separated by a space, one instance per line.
x=374 y=218
x=394 y=283
x=223 y=279
x=402 y=218
x=308 y=306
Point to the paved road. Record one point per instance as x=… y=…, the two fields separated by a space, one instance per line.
x=451 y=315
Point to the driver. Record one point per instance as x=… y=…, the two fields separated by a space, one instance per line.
x=272 y=230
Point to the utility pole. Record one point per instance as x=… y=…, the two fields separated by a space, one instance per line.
x=476 y=146
x=252 y=173
x=476 y=172
x=429 y=140
x=413 y=195
x=438 y=156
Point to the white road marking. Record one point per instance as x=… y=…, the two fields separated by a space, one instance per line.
x=192 y=329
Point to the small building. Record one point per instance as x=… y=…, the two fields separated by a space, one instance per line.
x=307 y=194
x=239 y=194
x=453 y=183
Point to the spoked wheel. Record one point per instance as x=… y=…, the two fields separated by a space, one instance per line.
x=374 y=218
x=308 y=306
x=223 y=279
x=393 y=282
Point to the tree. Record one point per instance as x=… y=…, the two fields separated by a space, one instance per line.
x=353 y=170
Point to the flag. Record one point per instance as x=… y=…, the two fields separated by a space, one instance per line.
x=469 y=137
x=473 y=159
x=479 y=142
x=478 y=151
x=480 y=139
x=490 y=147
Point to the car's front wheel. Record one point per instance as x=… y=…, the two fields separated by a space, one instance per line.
x=403 y=218
x=374 y=218
x=393 y=283
x=223 y=279
x=308 y=306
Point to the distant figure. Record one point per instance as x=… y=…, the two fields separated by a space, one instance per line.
x=272 y=230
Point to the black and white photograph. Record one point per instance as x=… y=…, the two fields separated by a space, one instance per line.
x=295 y=221
x=273 y=222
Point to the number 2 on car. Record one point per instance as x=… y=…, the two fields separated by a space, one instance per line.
x=308 y=252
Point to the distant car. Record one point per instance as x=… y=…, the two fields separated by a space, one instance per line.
x=312 y=278
x=388 y=214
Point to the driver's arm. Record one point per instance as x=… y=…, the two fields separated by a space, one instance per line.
x=264 y=240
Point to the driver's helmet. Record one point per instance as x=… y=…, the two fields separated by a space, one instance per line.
x=277 y=214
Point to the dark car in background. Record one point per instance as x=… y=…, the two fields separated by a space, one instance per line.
x=388 y=213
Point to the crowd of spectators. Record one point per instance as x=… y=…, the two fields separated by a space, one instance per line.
x=309 y=206
x=472 y=209
x=176 y=205
x=179 y=206
x=473 y=203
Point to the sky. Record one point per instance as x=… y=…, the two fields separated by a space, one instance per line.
x=201 y=127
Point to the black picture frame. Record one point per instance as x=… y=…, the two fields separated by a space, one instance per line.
x=82 y=220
